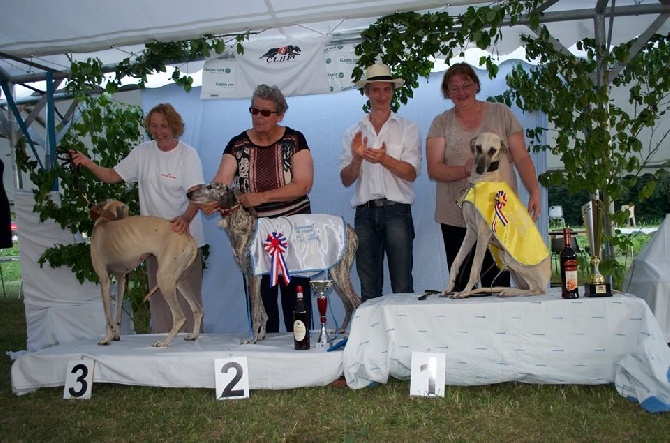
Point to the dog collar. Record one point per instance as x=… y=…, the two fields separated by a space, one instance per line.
x=98 y=212
x=227 y=212
x=464 y=192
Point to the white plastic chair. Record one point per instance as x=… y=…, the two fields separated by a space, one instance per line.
x=556 y=213
x=631 y=216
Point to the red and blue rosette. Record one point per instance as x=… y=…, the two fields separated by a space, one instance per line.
x=500 y=202
x=275 y=245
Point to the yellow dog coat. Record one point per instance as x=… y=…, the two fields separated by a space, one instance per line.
x=509 y=222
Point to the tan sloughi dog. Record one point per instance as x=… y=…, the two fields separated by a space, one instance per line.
x=531 y=276
x=119 y=243
x=240 y=225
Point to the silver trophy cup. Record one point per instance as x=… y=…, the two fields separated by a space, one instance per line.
x=592 y=212
x=321 y=289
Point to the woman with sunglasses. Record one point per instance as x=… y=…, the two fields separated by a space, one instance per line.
x=450 y=161
x=271 y=165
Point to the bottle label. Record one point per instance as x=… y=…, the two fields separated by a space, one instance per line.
x=299 y=330
x=571 y=281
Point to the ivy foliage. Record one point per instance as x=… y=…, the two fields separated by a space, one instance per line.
x=111 y=129
x=408 y=42
x=153 y=59
x=106 y=131
x=599 y=143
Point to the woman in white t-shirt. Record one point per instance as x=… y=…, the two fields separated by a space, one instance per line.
x=165 y=169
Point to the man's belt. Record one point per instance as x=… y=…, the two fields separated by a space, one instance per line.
x=378 y=203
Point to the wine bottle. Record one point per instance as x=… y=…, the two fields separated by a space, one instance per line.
x=300 y=322
x=569 y=283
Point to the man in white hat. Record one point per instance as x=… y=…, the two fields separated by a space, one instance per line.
x=382 y=155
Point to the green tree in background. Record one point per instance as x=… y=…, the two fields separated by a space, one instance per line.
x=599 y=143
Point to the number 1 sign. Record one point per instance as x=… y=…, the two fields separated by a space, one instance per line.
x=427 y=378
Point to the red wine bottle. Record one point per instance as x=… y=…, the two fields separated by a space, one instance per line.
x=300 y=322
x=569 y=283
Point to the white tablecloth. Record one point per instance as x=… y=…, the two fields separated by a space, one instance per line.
x=542 y=339
x=273 y=362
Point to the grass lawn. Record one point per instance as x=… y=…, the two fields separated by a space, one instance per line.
x=502 y=412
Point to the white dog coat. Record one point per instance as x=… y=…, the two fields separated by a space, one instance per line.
x=313 y=243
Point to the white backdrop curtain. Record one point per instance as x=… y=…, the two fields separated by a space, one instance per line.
x=58 y=308
x=322 y=119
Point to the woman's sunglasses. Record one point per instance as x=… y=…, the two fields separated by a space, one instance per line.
x=263 y=112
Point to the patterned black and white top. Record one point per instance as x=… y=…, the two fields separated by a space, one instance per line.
x=263 y=168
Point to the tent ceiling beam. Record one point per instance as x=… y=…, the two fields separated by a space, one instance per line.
x=640 y=42
x=599 y=12
x=353 y=36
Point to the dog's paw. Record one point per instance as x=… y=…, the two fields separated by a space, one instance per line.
x=459 y=295
x=191 y=337
x=161 y=344
x=107 y=339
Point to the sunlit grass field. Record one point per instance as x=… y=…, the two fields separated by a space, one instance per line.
x=501 y=412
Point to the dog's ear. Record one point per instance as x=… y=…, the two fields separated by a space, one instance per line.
x=122 y=211
x=117 y=209
x=472 y=144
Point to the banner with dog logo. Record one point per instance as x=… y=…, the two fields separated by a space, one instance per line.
x=297 y=67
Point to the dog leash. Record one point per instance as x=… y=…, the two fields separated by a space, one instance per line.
x=428 y=293
x=95 y=211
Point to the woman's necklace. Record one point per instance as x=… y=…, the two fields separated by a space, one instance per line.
x=471 y=120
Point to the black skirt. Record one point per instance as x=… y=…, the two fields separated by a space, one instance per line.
x=5 y=214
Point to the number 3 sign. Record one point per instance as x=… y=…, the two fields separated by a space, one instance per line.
x=78 y=379
x=232 y=378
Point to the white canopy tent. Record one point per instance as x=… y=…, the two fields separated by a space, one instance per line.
x=649 y=276
x=38 y=38
x=40 y=35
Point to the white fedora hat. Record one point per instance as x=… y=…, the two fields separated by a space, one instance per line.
x=379 y=73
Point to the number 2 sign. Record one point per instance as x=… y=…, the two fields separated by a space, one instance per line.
x=232 y=378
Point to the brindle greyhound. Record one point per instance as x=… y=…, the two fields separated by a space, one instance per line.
x=240 y=225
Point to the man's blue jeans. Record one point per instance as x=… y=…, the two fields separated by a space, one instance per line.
x=384 y=230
